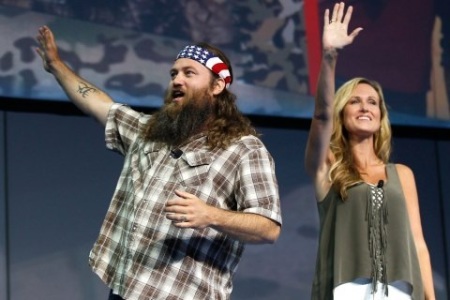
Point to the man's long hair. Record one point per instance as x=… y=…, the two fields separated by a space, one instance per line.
x=229 y=124
x=223 y=126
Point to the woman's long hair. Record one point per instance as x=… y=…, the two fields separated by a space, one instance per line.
x=343 y=172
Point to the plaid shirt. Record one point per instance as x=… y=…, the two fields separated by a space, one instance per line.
x=139 y=253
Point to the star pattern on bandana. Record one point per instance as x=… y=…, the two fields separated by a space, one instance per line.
x=196 y=53
x=208 y=59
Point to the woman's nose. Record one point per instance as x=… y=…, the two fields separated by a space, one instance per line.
x=363 y=107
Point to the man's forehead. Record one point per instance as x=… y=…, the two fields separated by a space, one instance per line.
x=182 y=63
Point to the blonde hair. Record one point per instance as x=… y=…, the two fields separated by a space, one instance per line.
x=343 y=173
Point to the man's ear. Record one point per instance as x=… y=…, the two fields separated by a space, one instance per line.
x=219 y=86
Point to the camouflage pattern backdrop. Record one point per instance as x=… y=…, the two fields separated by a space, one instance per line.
x=127 y=48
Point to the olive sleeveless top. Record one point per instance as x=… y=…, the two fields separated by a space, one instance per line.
x=366 y=236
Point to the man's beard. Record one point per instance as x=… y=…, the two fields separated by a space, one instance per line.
x=175 y=123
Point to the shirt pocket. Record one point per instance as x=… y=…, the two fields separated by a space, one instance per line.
x=193 y=168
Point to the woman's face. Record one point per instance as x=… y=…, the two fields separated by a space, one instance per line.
x=362 y=114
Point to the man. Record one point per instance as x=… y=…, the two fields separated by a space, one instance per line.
x=196 y=183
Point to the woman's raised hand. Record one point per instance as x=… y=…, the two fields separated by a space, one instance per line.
x=335 y=29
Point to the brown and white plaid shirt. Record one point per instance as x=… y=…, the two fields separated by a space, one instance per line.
x=139 y=253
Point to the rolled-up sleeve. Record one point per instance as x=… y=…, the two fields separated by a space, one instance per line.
x=258 y=186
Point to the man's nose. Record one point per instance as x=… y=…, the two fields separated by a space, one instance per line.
x=177 y=80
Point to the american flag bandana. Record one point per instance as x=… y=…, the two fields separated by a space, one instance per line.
x=209 y=60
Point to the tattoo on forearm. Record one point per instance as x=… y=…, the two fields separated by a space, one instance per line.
x=330 y=54
x=84 y=89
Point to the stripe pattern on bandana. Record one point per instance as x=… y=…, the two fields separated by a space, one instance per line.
x=209 y=60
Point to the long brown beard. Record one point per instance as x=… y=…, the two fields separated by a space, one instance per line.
x=175 y=123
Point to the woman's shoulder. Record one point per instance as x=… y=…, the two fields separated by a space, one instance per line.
x=401 y=168
x=404 y=173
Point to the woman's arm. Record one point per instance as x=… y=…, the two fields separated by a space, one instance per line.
x=412 y=204
x=334 y=37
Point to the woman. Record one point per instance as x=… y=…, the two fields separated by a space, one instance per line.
x=371 y=244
